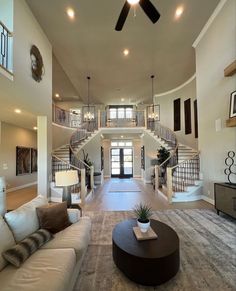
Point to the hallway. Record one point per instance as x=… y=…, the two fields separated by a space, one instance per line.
x=107 y=197
x=104 y=199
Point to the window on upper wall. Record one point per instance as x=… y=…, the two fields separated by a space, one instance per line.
x=6 y=35
x=120 y=112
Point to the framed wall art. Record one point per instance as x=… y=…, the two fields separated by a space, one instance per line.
x=23 y=161
x=232 y=109
x=34 y=165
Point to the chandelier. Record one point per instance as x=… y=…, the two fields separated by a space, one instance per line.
x=88 y=115
x=153 y=110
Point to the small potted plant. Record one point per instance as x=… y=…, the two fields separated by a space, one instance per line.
x=143 y=213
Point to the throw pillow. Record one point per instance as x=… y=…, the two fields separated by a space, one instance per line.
x=23 y=221
x=6 y=241
x=53 y=217
x=23 y=250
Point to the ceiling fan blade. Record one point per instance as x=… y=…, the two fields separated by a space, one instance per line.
x=150 y=10
x=123 y=16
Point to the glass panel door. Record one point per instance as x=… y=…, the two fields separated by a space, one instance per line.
x=122 y=162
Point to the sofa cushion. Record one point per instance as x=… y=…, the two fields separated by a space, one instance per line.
x=17 y=254
x=75 y=236
x=6 y=241
x=23 y=221
x=53 y=217
x=44 y=270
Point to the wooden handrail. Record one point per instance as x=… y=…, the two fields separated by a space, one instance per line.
x=65 y=162
x=4 y=26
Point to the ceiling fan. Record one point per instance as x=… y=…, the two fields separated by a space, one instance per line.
x=147 y=7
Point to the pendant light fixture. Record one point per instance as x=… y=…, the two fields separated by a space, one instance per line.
x=88 y=110
x=153 y=110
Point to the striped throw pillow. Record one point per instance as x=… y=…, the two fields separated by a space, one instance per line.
x=24 y=249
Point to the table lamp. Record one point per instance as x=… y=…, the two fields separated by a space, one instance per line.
x=66 y=179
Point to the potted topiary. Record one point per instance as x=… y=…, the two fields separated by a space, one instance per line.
x=143 y=213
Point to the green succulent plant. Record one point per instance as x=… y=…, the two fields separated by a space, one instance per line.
x=142 y=212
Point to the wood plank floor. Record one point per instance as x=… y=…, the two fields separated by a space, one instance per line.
x=104 y=199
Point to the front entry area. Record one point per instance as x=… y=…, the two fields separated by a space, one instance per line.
x=121 y=162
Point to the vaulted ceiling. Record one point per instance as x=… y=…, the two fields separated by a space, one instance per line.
x=89 y=45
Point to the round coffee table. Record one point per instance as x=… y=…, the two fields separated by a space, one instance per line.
x=148 y=262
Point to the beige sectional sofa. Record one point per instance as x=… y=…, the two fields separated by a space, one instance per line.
x=56 y=265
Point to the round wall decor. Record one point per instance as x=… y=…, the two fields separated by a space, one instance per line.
x=37 y=67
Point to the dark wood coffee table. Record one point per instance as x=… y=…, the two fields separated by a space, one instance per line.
x=149 y=262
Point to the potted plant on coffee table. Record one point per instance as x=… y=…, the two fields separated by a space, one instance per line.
x=143 y=213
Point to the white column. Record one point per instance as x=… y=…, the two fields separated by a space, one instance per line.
x=156 y=178
x=92 y=177
x=169 y=184
x=83 y=186
x=44 y=155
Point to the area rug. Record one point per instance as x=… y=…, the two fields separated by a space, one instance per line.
x=124 y=186
x=207 y=253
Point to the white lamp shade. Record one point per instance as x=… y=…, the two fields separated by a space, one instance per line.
x=66 y=178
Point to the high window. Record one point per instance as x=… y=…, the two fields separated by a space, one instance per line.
x=121 y=112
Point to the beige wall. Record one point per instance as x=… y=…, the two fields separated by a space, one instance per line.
x=167 y=112
x=214 y=52
x=12 y=136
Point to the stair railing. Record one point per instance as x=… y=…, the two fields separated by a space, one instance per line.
x=59 y=164
x=77 y=137
x=182 y=175
x=169 y=137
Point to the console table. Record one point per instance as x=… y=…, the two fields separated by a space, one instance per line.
x=225 y=198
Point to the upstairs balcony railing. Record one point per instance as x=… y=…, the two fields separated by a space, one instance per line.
x=136 y=118
x=5 y=48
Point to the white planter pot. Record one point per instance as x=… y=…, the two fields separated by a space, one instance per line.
x=143 y=226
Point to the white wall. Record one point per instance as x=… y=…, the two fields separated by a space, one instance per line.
x=23 y=92
x=12 y=136
x=61 y=135
x=93 y=149
x=215 y=51
x=166 y=102
x=6 y=13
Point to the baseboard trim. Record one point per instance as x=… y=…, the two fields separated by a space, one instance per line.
x=148 y=181
x=21 y=187
x=208 y=199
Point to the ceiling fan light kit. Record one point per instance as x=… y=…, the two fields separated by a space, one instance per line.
x=147 y=6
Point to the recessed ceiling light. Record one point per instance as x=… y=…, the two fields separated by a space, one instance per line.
x=179 y=11
x=17 y=111
x=57 y=95
x=121 y=136
x=122 y=99
x=133 y=2
x=126 y=52
x=71 y=13
x=35 y=127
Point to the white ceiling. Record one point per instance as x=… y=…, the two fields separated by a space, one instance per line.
x=89 y=45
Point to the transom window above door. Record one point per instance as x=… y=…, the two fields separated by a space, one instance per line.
x=121 y=143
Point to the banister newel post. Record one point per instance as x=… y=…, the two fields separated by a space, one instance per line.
x=169 y=184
